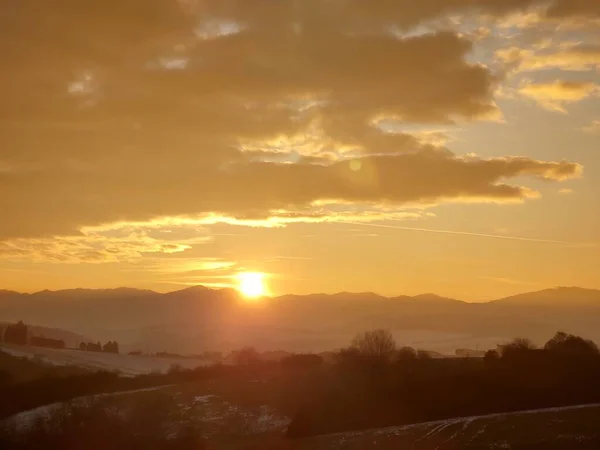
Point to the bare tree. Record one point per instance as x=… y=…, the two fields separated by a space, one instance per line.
x=376 y=343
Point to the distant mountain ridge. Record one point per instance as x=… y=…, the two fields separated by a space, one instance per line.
x=551 y=293
x=199 y=318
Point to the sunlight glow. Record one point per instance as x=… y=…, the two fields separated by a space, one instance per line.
x=251 y=284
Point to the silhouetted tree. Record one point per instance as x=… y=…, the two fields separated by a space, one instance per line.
x=516 y=347
x=406 y=354
x=91 y=347
x=491 y=358
x=111 y=347
x=16 y=334
x=376 y=343
x=568 y=344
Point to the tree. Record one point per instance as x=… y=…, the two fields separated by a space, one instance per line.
x=406 y=354
x=376 y=343
x=16 y=334
x=91 y=347
x=491 y=358
x=568 y=344
x=111 y=347
x=517 y=346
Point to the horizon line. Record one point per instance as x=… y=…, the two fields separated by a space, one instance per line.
x=390 y=297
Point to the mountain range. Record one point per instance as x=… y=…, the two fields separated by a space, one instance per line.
x=198 y=318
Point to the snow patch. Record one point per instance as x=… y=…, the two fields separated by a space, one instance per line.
x=127 y=365
x=26 y=419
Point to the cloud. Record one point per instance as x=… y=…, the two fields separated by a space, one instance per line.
x=253 y=112
x=119 y=245
x=555 y=95
x=189 y=266
x=565 y=191
x=578 y=57
x=593 y=127
x=574 y=8
x=66 y=201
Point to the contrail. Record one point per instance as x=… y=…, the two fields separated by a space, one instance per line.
x=465 y=233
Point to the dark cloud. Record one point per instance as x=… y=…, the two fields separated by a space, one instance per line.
x=60 y=201
x=129 y=110
x=574 y=8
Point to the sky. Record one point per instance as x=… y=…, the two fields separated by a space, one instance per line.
x=393 y=146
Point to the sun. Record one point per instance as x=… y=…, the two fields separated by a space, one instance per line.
x=251 y=284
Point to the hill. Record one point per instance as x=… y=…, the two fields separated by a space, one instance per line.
x=16 y=369
x=71 y=339
x=548 y=429
x=197 y=318
x=231 y=417
x=127 y=365
x=560 y=297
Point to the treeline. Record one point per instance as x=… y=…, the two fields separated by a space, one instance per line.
x=19 y=334
x=375 y=384
x=109 y=347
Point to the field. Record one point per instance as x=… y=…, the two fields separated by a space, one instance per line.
x=248 y=412
x=225 y=424
x=558 y=428
x=128 y=365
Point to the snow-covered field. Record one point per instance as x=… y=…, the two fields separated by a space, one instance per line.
x=494 y=431
x=27 y=418
x=128 y=365
x=219 y=418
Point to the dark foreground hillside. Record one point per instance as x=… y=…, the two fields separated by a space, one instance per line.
x=575 y=428
x=178 y=418
x=371 y=395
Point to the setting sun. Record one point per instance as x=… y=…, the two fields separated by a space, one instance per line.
x=251 y=284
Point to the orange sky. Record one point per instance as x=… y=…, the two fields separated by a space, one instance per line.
x=447 y=146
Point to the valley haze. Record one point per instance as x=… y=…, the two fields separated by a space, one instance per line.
x=200 y=319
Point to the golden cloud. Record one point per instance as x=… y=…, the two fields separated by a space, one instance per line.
x=555 y=95
x=578 y=57
x=132 y=111
x=90 y=248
